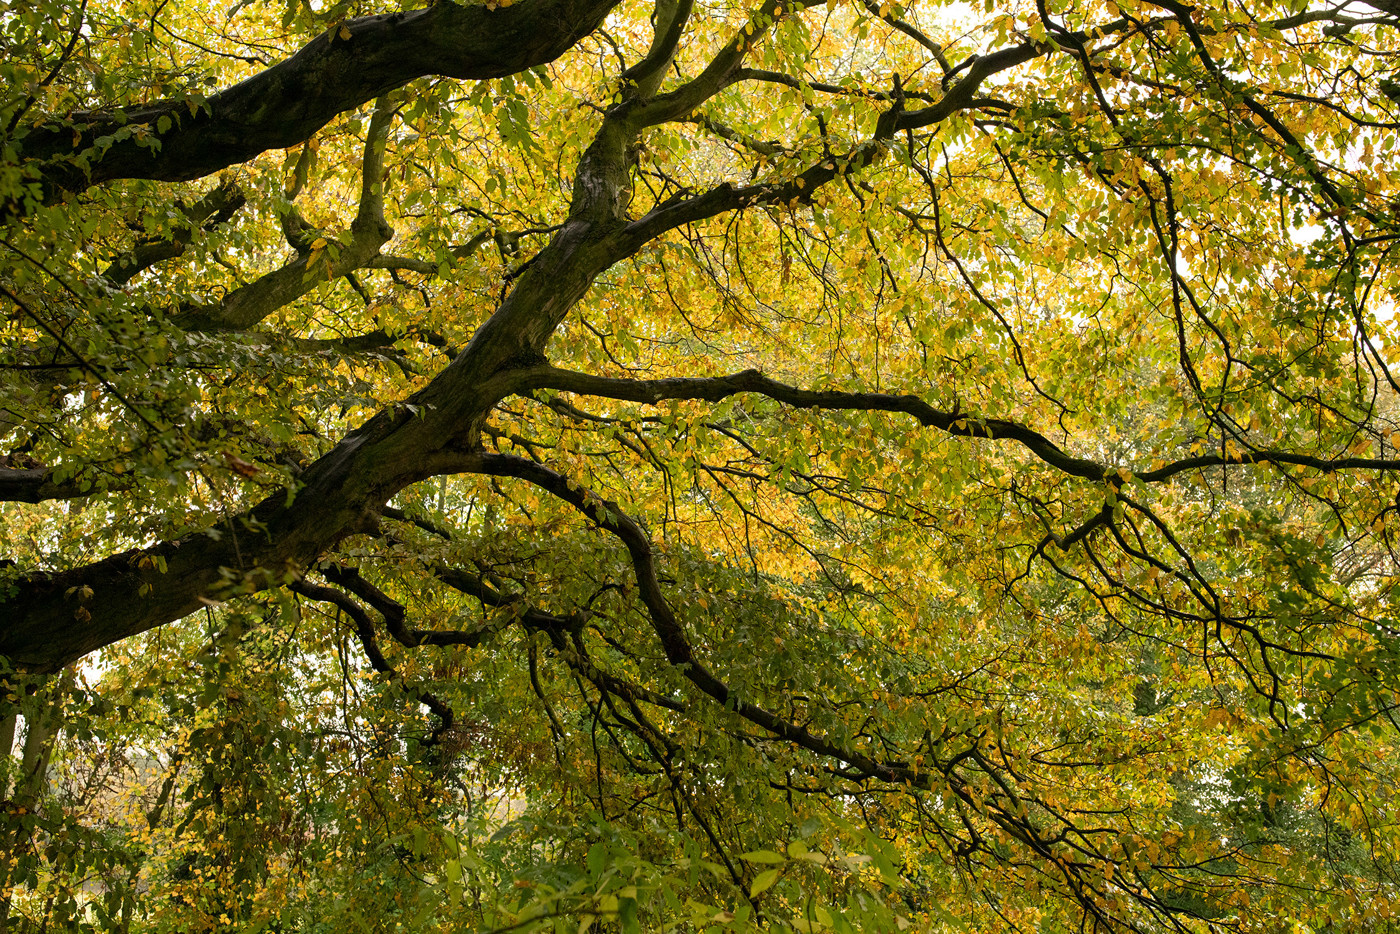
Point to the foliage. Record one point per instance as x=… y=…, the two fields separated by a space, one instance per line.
x=567 y=465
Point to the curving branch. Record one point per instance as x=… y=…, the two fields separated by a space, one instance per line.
x=395 y=614
x=290 y=101
x=669 y=631
x=643 y=78
x=712 y=389
x=726 y=197
x=215 y=208
x=364 y=630
x=956 y=423
x=971 y=778
x=318 y=260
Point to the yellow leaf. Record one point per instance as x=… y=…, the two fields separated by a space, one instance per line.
x=344 y=31
x=762 y=856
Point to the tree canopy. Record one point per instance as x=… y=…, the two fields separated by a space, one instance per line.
x=573 y=465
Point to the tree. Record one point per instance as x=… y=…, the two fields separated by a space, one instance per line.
x=785 y=465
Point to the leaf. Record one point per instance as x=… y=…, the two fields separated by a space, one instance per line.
x=763 y=856
x=763 y=882
x=627 y=916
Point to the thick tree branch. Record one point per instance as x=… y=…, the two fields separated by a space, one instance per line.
x=288 y=102
x=395 y=615
x=719 y=73
x=359 y=343
x=669 y=20
x=36 y=485
x=247 y=305
x=369 y=219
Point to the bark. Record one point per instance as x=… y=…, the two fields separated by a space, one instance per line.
x=35 y=485
x=290 y=101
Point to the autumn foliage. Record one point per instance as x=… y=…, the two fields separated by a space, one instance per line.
x=574 y=465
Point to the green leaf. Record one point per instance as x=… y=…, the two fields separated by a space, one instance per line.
x=763 y=882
